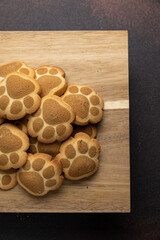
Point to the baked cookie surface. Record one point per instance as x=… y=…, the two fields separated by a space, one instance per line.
x=8 y=179
x=79 y=156
x=89 y=129
x=40 y=174
x=86 y=104
x=1 y=120
x=52 y=121
x=48 y=148
x=21 y=124
x=18 y=96
x=51 y=80
x=16 y=66
x=13 y=146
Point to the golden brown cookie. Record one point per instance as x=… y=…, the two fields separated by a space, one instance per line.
x=89 y=129
x=86 y=104
x=8 y=179
x=60 y=70
x=51 y=80
x=18 y=96
x=40 y=174
x=52 y=121
x=79 y=156
x=21 y=124
x=17 y=66
x=48 y=148
x=1 y=120
x=13 y=146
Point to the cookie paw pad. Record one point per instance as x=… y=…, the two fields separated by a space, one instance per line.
x=40 y=175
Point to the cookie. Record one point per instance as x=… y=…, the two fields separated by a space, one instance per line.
x=13 y=146
x=52 y=121
x=86 y=104
x=48 y=148
x=1 y=120
x=40 y=174
x=51 y=80
x=18 y=96
x=89 y=129
x=79 y=156
x=8 y=179
x=21 y=124
x=17 y=66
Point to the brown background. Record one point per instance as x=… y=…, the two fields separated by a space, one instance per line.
x=141 y=18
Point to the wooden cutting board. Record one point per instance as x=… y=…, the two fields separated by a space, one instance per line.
x=98 y=59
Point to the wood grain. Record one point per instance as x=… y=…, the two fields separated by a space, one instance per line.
x=98 y=59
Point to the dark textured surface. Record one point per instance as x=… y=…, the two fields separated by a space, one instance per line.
x=142 y=20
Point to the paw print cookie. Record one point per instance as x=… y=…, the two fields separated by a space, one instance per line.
x=13 y=146
x=8 y=179
x=18 y=96
x=48 y=148
x=79 y=156
x=40 y=174
x=52 y=121
x=89 y=129
x=86 y=104
x=51 y=80
x=17 y=66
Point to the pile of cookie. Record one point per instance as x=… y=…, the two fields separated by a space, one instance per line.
x=47 y=129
